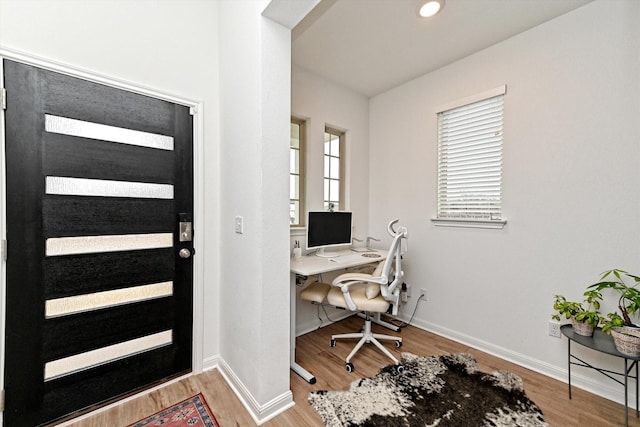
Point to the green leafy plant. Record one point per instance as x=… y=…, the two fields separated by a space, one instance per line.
x=629 y=296
x=613 y=320
x=586 y=311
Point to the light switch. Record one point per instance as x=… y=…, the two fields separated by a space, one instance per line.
x=239 y=224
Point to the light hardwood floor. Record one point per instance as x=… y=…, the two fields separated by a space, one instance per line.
x=327 y=364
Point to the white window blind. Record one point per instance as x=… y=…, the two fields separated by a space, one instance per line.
x=470 y=160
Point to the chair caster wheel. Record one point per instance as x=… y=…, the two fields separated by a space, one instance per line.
x=398 y=344
x=400 y=369
x=349 y=367
x=332 y=343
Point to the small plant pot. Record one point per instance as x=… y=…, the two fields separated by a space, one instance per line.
x=626 y=340
x=582 y=328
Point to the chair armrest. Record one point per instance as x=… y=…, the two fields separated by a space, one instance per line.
x=357 y=278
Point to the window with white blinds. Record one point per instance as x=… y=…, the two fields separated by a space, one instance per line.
x=470 y=159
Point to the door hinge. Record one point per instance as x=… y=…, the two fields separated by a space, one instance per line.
x=3 y=101
x=4 y=249
x=2 y=400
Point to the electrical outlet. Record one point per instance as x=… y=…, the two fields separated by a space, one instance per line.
x=403 y=296
x=554 y=328
x=408 y=291
x=423 y=293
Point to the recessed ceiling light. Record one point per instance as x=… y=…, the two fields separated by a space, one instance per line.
x=429 y=7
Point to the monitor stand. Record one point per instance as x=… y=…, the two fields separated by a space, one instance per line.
x=321 y=253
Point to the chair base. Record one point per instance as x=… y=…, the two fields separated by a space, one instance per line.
x=366 y=336
x=377 y=319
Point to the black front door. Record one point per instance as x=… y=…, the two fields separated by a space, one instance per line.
x=99 y=285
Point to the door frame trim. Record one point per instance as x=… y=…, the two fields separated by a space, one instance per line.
x=196 y=108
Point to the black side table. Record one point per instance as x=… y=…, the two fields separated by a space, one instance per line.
x=603 y=343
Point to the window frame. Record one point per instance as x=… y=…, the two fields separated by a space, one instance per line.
x=302 y=143
x=490 y=221
x=341 y=134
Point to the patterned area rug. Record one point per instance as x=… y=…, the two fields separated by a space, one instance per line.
x=191 y=412
x=443 y=391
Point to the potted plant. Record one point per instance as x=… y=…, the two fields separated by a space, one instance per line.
x=585 y=316
x=626 y=334
x=629 y=299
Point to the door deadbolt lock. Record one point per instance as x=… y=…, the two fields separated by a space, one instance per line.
x=186 y=228
x=184 y=253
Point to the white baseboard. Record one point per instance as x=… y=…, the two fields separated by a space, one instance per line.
x=210 y=363
x=265 y=412
x=259 y=413
x=607 y=389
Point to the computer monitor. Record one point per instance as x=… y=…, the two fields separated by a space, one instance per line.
x=326 y=229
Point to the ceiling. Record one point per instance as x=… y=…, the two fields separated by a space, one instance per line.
x=371 y=46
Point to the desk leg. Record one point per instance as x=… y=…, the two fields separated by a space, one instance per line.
x=569 y=365
x=295 y=367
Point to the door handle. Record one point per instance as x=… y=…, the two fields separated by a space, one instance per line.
x=184 y=253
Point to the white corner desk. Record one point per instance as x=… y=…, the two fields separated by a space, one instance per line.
x=311 y=265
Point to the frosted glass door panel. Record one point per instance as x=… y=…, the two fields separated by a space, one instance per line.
x=92 y=244
x=104 y=188
x=81 y=128
x=97 y=300
x=103 y=355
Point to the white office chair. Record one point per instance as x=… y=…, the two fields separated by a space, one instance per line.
x=371 y=293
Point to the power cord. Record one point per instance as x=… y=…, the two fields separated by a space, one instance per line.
x=402 y=326
x=320 y=318
x=326 y=314
x=323 y=306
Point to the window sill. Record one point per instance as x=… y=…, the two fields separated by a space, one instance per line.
x=469 y=223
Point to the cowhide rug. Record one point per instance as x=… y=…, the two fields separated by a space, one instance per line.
x=443 y=391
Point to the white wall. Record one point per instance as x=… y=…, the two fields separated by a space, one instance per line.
x=571 y=183
x=255 y=292
x=321 y=103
